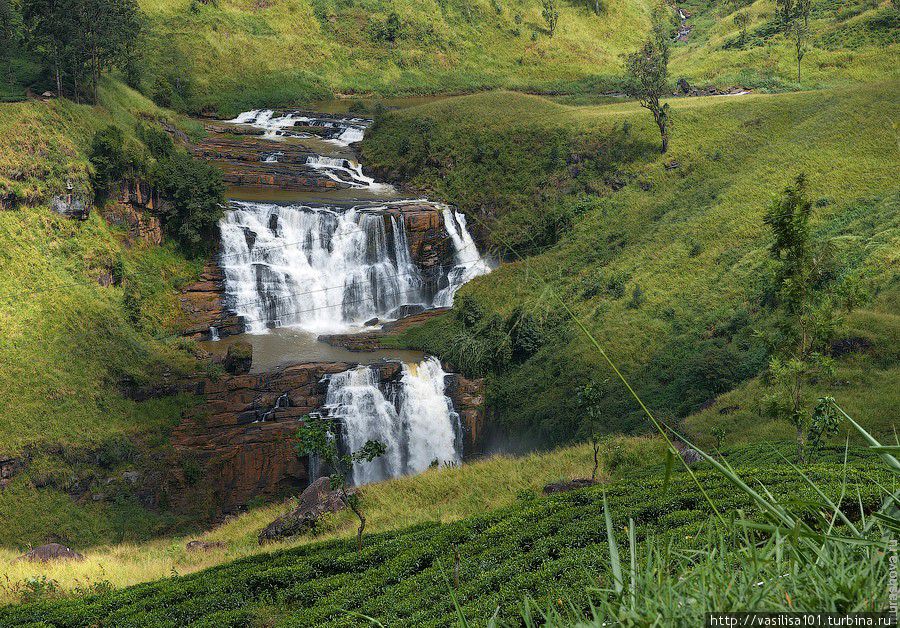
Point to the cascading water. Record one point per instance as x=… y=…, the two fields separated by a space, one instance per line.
x=341 y=131
x=341 y=170
x=413 y=418
x=469 y=263
x=316 y=267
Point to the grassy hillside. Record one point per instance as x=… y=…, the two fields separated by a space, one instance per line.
x=850 y=42
x=555 y=550
x=68 y=342
x=237 y=54
x=664 y=257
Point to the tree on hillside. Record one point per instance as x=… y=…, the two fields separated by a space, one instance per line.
x=589 y=399
x=317 y=438
x=647 y=79
x=808 y=295
x=80 y=39
x=794 y=18
x=742 y=20
x=550 y=12
x=10 y=25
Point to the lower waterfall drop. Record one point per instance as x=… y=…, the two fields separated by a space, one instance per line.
x=413 y=418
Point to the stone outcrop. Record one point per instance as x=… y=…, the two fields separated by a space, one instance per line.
x=372 y=340
x=239 y=358
x=468 y=401
x=241 y=440
x=133 y=205
x=50 y=552
x=316 y=500
x=246 y=160
x=204 y=546
x=203 y=303
x=429 y=244
x=9 y=467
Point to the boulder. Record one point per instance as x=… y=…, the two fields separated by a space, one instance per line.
x=49 y=552
x=239 y=358
x=408 y=309
x=371 y=322
x=683 y=86
x=569 y=485
x=204 y=546
x=315 y=501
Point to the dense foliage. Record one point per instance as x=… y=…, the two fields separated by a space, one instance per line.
x=553 y=548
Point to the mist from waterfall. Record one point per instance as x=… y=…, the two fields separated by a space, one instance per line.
x=412 y=417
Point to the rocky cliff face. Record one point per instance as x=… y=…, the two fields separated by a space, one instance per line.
x=203 y=303
x=240 y=442
x=429 y=245
x=468 y=401
x=133 y=206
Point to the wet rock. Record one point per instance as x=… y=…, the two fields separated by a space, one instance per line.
x=407 y=309
x=70 y=207
x=203 y=303
x=204 y=546
x=467 y=396
x=315 y=501
x=239 y=358
x=569 y=485
x=50 y=552
x=371 y=322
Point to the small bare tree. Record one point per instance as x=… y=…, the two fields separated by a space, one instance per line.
x=647 y=71
x=316 y=438
x=551 y=15
x=794 y=17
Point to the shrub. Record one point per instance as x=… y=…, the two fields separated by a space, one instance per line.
x=111 y=158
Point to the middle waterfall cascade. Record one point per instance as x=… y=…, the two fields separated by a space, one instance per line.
x=413 y=418
x=469 y=263
x=319 y=268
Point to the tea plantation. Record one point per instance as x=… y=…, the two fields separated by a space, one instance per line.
x=552 y=549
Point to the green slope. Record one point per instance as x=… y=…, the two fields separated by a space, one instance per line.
x=237 y=54
x=67 y=342
x=663 y=257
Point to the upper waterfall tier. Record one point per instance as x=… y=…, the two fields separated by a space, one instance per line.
x=340 y=130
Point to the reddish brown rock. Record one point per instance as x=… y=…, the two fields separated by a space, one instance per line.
x=203 y=304
x=241 y=440
x=133 y=205
x=468 y=401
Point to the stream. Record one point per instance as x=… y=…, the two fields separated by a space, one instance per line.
x=346 y=256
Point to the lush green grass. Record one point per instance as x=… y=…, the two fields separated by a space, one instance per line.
x=540 y=177
x=850 y=42
x=68 y=343
x=553 y=549
x=231 y=55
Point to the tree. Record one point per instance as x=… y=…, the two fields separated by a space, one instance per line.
x=111 y=157
x=79 y=39
x=316 y=437
x=742 y=20
x=794 y=17
x=647 y=71
x=808 y=295
x=196 y=196
x=590 y=398
x=550 y=12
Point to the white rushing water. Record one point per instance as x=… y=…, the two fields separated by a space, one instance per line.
x=320 y=268
x=413 y=418
x=341 y=131
x=469 y=263
x=342 y=170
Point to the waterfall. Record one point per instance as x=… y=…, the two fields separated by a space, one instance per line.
x=469 y=263
x=413 y=418
x=317 y=267
x=333 y=167
x=341 y=131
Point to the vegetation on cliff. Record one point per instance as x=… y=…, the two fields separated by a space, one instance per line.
x=583 y=195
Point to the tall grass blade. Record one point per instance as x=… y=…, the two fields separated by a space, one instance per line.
x=614 y=561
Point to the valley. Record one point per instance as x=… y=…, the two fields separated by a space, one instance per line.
x=504 y=312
